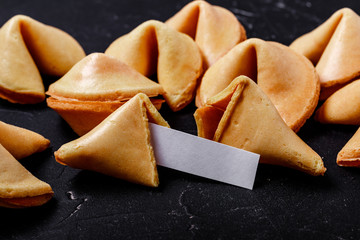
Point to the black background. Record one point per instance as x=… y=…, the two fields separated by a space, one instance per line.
x=285 y=204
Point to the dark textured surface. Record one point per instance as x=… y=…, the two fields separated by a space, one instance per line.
x=284 y=204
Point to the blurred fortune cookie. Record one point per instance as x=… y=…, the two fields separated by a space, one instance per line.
x=215 y=29
x=18 y=187
x=21 y=142
x=333 y=47
x=28 y=49
x=154 y=47
x=94 y=88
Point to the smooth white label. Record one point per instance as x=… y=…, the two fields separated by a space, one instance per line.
x=195 y=155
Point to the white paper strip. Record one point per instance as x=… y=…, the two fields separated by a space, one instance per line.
x=191 y=154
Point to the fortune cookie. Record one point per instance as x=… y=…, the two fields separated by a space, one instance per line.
x=286 y=77
x=154 y=47
x=18 y=187
x=342 y=107
x=333 y=49
x=349 y=155
x=28 y=48
x=243 y=116
x=94 y=88
x=215 y=29
x=21 y=142
x=120 y=145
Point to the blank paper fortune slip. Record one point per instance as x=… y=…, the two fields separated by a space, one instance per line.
x=198 y=156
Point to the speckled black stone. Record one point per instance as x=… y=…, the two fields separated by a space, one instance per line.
x=285 y=204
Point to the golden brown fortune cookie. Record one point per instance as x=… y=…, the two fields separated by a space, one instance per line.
x=21 y=142
x=333 y=49
x=349 y=155
x=28 y=48
x=18 y=187
x=287 y=78
x=342 y=107
x=94 y=88
x=215 y=29
x=120 y=145
x=154 y=47
x=243 y=116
